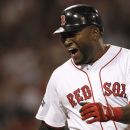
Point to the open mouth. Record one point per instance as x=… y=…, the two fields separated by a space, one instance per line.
x=73 y=50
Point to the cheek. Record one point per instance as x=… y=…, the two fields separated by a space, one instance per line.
x=84 y=36
x=86 y=49
x=84 y=42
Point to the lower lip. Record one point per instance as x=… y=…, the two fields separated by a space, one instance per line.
x=76 y=55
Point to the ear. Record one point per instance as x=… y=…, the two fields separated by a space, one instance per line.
x=95 y=33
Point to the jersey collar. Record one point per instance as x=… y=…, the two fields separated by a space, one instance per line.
x=105 y=59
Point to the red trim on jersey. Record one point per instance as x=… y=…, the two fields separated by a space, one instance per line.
x=87 y=77
x=89 y=85
x=101 y=79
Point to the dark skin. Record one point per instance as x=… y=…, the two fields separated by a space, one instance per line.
x=89 y=45
x=86 y=47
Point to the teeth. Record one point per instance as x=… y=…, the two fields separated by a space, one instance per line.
x=72 y=50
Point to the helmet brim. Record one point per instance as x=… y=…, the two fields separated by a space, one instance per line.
x=59 y=30
x=69 y=29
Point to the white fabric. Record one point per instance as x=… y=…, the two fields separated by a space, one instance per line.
x=109 y=75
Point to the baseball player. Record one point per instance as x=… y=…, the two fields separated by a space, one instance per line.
x=91 y=91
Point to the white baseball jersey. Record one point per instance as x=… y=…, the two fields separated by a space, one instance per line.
x=106 y=81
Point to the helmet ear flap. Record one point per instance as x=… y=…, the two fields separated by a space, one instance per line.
x=78 y=16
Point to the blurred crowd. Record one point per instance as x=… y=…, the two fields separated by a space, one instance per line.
x=29 y=52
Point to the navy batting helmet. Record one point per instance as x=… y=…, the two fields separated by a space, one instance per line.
x=78 y=16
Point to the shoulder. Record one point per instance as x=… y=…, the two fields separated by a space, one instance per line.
x=58 y=74
x=63 y=69
x=124 y=52
x=123 y=58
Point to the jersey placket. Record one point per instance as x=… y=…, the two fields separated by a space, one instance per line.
x=89 y=69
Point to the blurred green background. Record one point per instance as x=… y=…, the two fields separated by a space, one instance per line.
x=29 y=52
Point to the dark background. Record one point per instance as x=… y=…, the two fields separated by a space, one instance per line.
x=29 y=52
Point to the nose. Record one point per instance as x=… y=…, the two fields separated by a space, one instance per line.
x=68 y=42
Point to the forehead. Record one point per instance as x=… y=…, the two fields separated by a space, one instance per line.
x=73 y=34
x=69 y=34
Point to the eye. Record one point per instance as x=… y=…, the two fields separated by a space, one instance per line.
x=64 y=36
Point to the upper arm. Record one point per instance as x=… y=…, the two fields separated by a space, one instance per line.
x=52 y=111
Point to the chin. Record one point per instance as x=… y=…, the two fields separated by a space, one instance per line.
x=81 y=61
x=78 y=62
